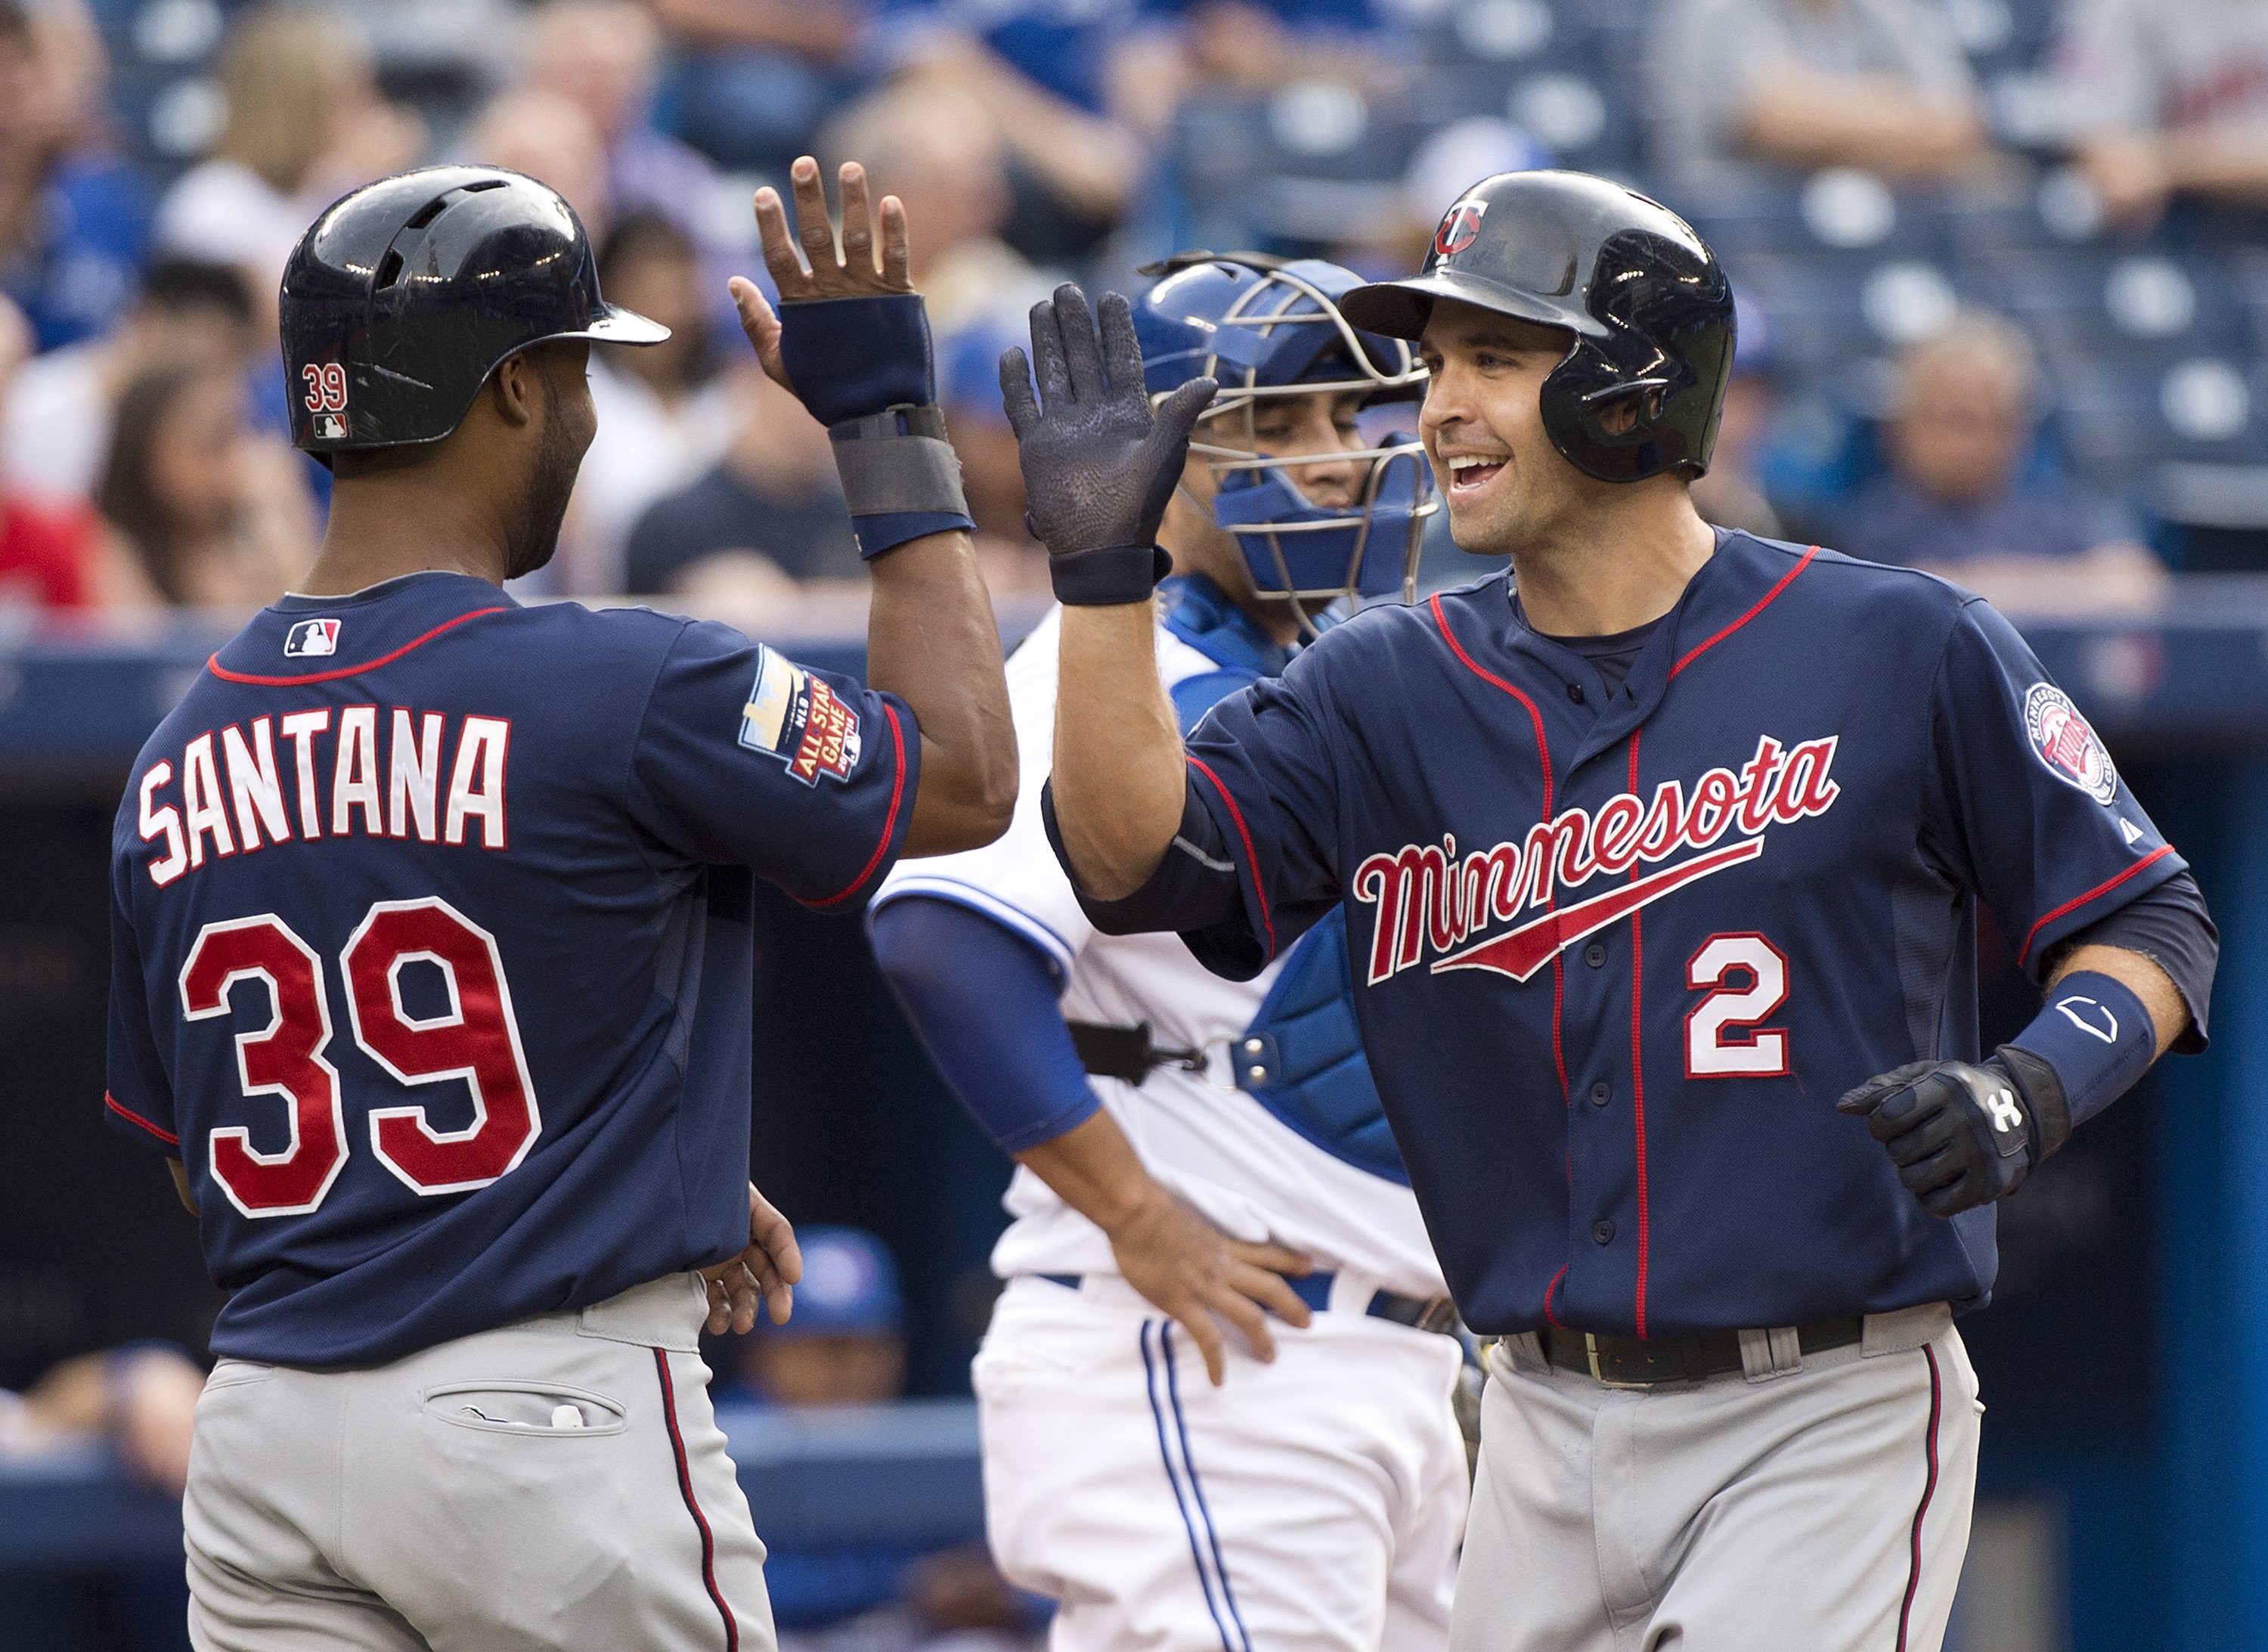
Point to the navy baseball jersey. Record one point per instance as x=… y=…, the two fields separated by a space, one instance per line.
x=431 y=953
x=1618 y=953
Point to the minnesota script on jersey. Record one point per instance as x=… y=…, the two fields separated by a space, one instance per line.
x=432 y=955
x=1616 y=957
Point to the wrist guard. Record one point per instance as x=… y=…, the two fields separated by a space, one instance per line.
x=900 y=477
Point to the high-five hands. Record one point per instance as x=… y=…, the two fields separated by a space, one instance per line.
x=1099 y=467
x=854 y=274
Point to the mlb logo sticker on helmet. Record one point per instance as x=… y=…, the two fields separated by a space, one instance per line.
x=1461 y=227
x=797 y=718
x=2063 y=740
x=309 y=638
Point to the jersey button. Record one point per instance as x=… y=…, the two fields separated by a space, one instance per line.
x=1594 y=955
x=1601 y=1092
x=1575 y=692
x=1603 y=1232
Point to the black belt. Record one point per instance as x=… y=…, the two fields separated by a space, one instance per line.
x=1419 y=1313
x=1126 y=1052
x=1636 y=1362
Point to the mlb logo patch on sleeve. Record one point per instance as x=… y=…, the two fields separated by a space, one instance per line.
x=795 y=717
x=310 y=638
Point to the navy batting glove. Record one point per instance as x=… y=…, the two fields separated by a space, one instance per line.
x=1098 y=467
x=854 y=357
x=1961 y=1135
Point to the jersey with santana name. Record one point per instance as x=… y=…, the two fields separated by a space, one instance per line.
x=432 y=957
x=1256 y=1161
x=1617 y=956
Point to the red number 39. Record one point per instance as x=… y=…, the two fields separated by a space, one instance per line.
x=475 y=1042
x=326 y=386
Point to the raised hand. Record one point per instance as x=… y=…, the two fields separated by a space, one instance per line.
x=856 y=273
x=1099 y=467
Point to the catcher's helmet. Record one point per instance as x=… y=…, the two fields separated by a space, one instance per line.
x=1263 y=328
x=1646 y=301
x=401 y=298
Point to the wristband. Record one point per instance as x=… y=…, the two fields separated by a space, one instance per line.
x=851 y=357
x=2096 y=1039
x=1107 y=578
x=900 y=477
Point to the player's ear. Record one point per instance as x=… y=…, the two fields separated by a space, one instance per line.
x=516 y=389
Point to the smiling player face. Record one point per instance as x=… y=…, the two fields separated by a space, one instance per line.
x=1504 y=483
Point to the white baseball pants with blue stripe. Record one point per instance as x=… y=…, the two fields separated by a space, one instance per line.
x=1315 y=1504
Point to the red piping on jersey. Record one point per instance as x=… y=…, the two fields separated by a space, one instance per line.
x=1763 y=602
x=693 y=1504
x=1928 y=1491
x=1548 y=1289
x=1638 y=1074
x=2077 y=901
x=112 y=1104
x=1251 y=860
x=1543 y=757
x=214 y=664
x=889 y=821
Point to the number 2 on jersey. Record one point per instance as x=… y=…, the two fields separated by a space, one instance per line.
x=1735 y=1004
x=476 y=1041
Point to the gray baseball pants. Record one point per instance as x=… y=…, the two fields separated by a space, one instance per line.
x=1820 y=1508
x=558 y=1484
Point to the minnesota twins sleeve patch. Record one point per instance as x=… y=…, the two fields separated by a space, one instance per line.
x=797 y=718
x=2063 y=740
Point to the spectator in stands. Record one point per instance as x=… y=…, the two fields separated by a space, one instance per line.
x=936 y=148
x=761 y=75
x=73 y=218
x=142 y=1397
x=48 y=551
x=56 y=427
x=551 y=138
x=203 y=510
x=1035 y=72
x=846 y=1344
x=1961 y=427
x=2167 y=101
x=305 y=122
x=602 y=55
x=767 y=515
x=1184 y=47
x=969 y=385
x=665 y=414
x=1742 y=92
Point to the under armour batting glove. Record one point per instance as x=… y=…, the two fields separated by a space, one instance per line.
x=1099 y=468
x=1961 y=1135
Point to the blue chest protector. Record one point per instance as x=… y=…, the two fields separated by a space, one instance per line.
x=1314 y=1076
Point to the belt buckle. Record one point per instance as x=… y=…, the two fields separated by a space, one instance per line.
x=1591 y=1348
x=1439 y=1318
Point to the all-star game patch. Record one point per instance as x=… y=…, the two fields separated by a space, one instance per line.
x=795 y=717
x=2062 y=739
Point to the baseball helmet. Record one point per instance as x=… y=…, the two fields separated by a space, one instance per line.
x=1647 y=301
x=403 y=297
x=1267 y=328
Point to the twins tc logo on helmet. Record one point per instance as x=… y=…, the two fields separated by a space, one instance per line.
x=2062 y=740
x=1461 y=227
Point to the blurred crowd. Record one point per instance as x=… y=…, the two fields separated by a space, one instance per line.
x=158 y=158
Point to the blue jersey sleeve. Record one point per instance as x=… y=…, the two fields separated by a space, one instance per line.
x=137 y=1097
x=2029 y=811
x=1262 y=767
x=746 y=758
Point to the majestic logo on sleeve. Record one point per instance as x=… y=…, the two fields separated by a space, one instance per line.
x=2062 y=740
x=1431 y=899
x=797 y=718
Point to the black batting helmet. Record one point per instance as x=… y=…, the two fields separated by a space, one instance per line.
x=401 y=298
x=1646 y=301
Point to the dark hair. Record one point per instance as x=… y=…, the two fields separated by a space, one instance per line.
x=178 y=285
x=642 y=234
x=15 y=23
x=125 y=494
